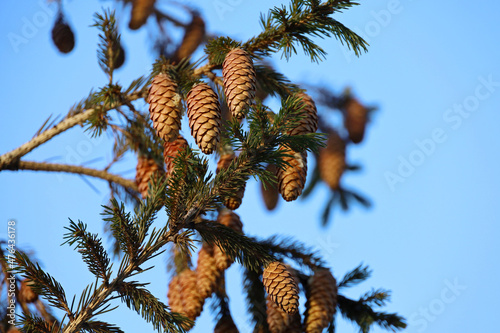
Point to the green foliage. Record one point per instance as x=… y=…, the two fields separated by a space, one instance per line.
x=218 y=48
x=109 y=42
x=256 y=300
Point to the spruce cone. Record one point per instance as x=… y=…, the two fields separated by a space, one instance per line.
x=239 y=81
x=141 y=9
x=193 y=37
x=233 y=201
x=308 y=124
x=321 y=302
x=226 y=325
x=355 y=118
x=192 y=303
x=170 y=152
x=292 y=179
x=270 y=193
x=26 y=294
x=175 y=295
x=281 y=286
x=145 y=168
x=120 y=57
x=207 y=272
x=279 y=321
x=62 y=35
x=204 y=117
x=164 y=107
x=230 y=220
x=331 y=160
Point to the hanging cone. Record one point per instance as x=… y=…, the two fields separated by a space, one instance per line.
x=26 y=294
x=321 y=302
x=170 y=152
x=120 y=57
x=239 y=81
x=141 y=9
x=355 y=118
x=175 y=295
x=233 y=201
x=193 y=37
x=281 y=322
x=62 y=35
x=308 y=124
x=192 y=303
x=204 y=117
x=281 y=286
x=230 y=220
x=164 y=107
x=270 y=192
x=206 y=271
x=226 y=325
x=146 y=167
x=331 y=160
x=292 y=179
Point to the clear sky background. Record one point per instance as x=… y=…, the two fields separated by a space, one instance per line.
x=430 y=158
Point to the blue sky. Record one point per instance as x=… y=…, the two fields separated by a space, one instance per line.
x=429 y=160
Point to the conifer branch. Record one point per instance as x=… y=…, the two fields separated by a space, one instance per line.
x=256 y=299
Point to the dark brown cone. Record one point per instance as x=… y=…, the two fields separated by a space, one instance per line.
x=26 y=294
x=331 y=160
x=279 y=321
x=146 y=167
x=233 y=201
x=292 y=179
x=239 y=81
x=321 y=302
x=193 y=37
x=207 y=272
x=141 y=9
x=13 y=330
x=170 y=152
x=120 y=58
x=226 y=325
x=204 y=117
x=281 y=286
x=192 y=303
x=308 y=124
x=174 y=295
x=164 y=107
x=270 y=192
x=230 y=220
x=62 y=35
x=355 y=117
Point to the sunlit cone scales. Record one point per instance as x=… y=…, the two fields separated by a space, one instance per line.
x=206 y=272
x=309 y=122
x=141 y=9
x=171 y=150
x=239 y=81
x=281 y=286
x=146 y=167
x=26 y=294
x=193 y=37
x=355 y=118
x=233 y=201
x=204 y=115
x=269 y=192
x=331 y=160
x=174 y=295
x=62 y=35
x=225 y=325
x=164 y=107
x=322 y=301
x=192 y=303
x=292 y=179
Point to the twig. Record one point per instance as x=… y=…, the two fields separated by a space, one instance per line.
x=43 y=166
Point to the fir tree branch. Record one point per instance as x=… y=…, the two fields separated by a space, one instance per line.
x=354 y=277
x=55 y=167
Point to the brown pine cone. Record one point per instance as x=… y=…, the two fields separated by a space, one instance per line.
x=207 y=272
x=230 y=220
x=355 y=118
x=141 y=9
x=175 y=295
x=239 y=81
x=146 y=167
x=164 y=107
x=281 y=286
x=170 y=152
x=292 y=179
x=193 y=37
x=233 y=201
x=308 y=124
x=331 y=160
x=62 y=35
x=270 y=192
x=26 y=294
x=321 y=301
x=226 y=325
x=204 y=117
x=192 y=303
x=279 y=321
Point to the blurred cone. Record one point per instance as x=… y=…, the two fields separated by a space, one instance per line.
x=331 y=160
x=175 y=295
x=193 y=37
x=206 y=271
x=355 y=118
x=321 y=302
x=146 y=167
x=170 y=152
x=62 y=35
x=192 y=303
x=269 y=190
x=141 y=9
x=234 y=200
x=230 y=220
x=26 y=294
x=226 y=325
